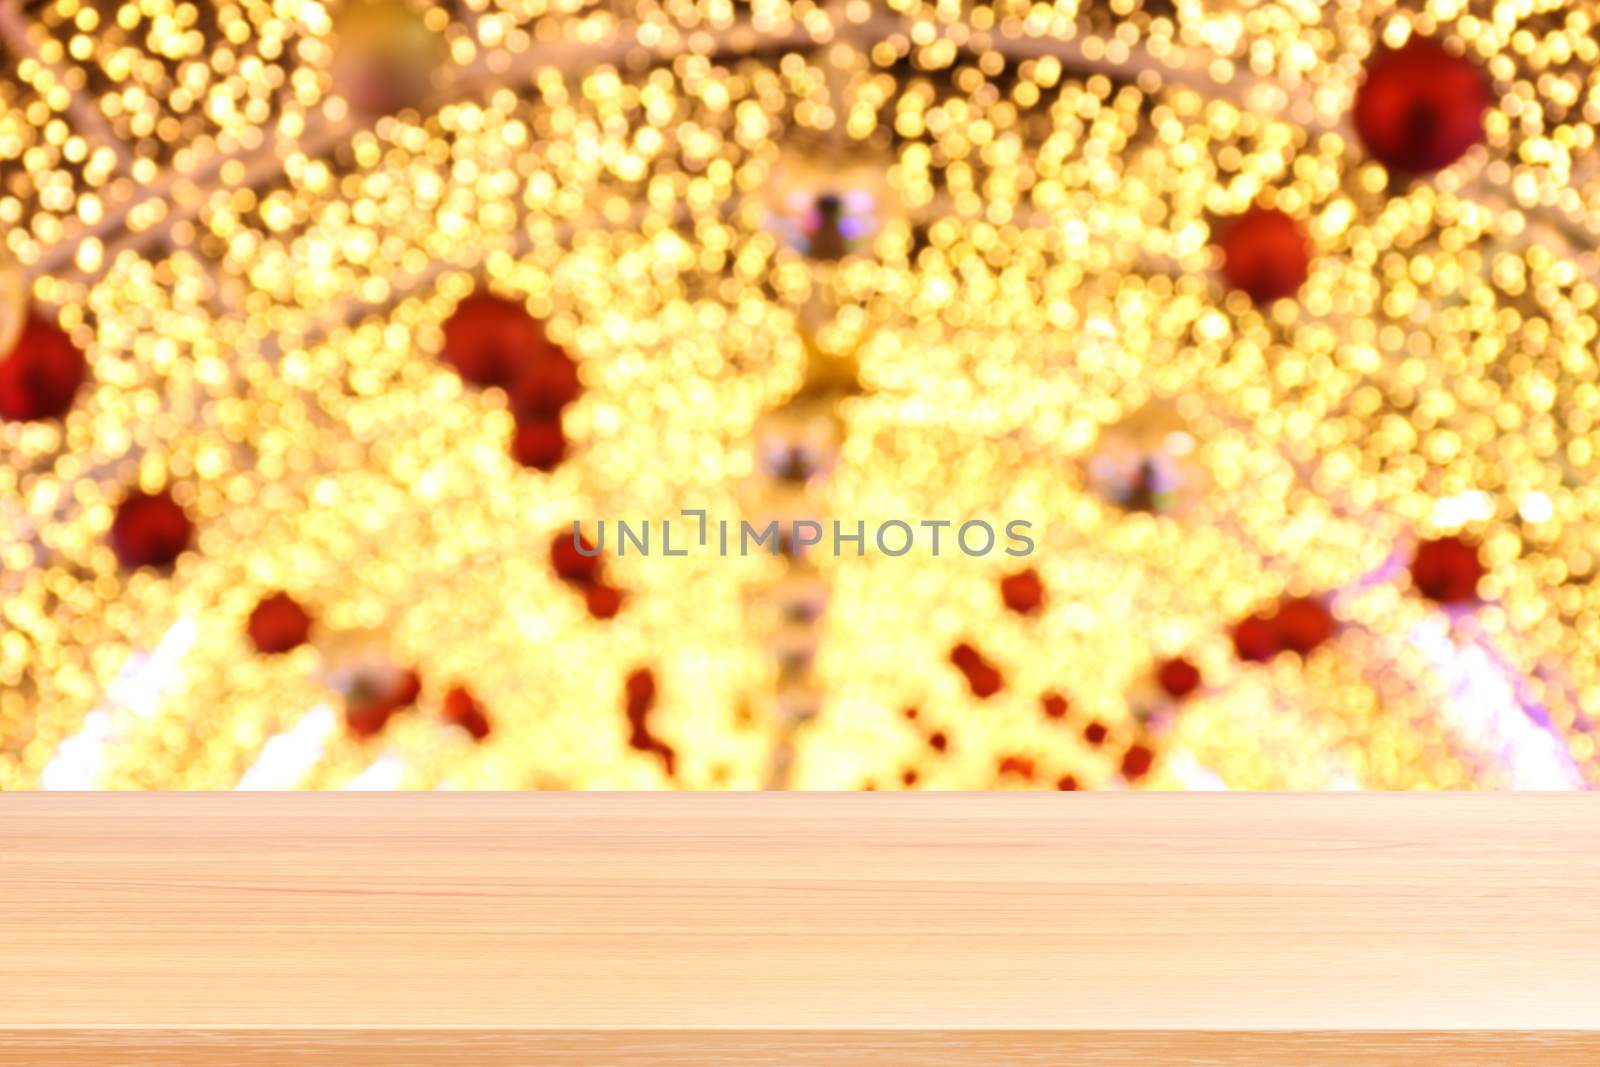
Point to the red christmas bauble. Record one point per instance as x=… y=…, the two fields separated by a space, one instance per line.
x=1420 y=107
x=602 y=601
x=1021 y=766
x=150 y=530
x=640 y=697
x=639 y=693
x=982 y=677
x=407 y=688
x=42 y=374
x=376 y=700
x=491 y=341
x=1023 y=592
x=1302 y=624
x=1265 y=254
x=544 y=388
x=462 y=709
x=278 y=624
x=1136 y=762
x=1255 y=639
x=367 y=718
x=539 y=445
x=569 y=563
x=1447 y=569
x=1178 y=677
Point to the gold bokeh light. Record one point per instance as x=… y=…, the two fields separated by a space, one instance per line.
x=259 y=272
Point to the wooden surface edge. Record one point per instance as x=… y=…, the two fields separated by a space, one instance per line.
x=788 y=1048
x=1003 y=913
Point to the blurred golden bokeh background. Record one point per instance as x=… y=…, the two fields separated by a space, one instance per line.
x=1276 y=319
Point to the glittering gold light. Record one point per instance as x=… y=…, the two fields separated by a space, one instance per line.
x=260 y=276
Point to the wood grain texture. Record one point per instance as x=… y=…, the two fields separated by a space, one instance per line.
x=879 y=926
x=793 y=1048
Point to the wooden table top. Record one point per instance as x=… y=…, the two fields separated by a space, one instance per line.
x=779 y=928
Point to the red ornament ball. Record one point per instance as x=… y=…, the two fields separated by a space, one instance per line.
x=278 y=624
x=1136 y=762
x=1054 y=705
x=544 y=388
x=1447 y=570
x=367 y=718
x=1420 y=107
x=602 y=601
x=378 y=698
x=539 y=445
x=462 y=709
x=1302 y=624
x=150 y=530
x=41 y=375
x=1265 y=254
x=490 y=340
x=407 y=688
x=1256 y=639
x=1020 y=766
x=1178 y=677
x=1023 y=592
x=571 y=564
x=639 y=694
x=982 y=677
x=640 y=698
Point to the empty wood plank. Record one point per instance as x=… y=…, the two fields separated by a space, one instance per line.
x=888 y=928
x=793 y=1048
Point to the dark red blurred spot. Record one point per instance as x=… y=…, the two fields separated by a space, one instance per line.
x=1178 y=677
x=640 y=693
x=1094 y=733
x=407 y=688
x=571 y=564
x=493 y=341
x=1020 y=766
x=938 y=741
x=540 y=446
x=1136 y=762
x=1447 y=569
x=1054 y=705
x=364 y=719
x=374 y=700
x=278 y=624
x=150 y=530
x=1255 y=639
x=544 y=389
x=1265 y=254
x=1420 y=107
x=462 y=709
x=1067 y=783
x=1302 y=624
x=602 y=601
x=1023 y=592
x=41 y=375
x=640 y=697
x=982 y=677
